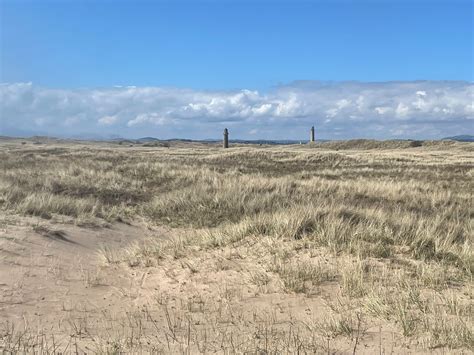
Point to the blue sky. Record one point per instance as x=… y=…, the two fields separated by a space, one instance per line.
x=66 y=53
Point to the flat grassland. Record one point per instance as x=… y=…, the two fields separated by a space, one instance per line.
x=339 y=247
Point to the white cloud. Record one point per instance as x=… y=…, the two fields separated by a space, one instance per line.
x=263 y=110
x=383 y=110
x=402 y=110
x=152 y=117
x=107 y=120
x=350 y=109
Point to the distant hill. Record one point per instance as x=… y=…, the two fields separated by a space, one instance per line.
x=238 y=141
x=461 y=138
x=147 y=139
x=275 y=142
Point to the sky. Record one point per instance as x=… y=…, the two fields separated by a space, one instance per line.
x=264 y=69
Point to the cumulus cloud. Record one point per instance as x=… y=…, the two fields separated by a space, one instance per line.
x=107 y=120
x=419 y=109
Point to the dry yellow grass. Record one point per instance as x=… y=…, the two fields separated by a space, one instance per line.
x=376 y=236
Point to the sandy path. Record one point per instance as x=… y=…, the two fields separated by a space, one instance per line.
x=49 y=277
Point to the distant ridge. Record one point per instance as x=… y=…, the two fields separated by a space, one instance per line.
x=158 y=141
x=147 y=139
x=461 y=138
x=238 y=141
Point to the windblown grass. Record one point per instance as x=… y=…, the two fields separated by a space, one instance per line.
x=389 y=225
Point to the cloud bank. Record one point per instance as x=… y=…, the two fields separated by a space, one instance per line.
x=339 y=110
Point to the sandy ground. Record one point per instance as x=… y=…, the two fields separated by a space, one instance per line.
x=48 y=273
x=55 y=282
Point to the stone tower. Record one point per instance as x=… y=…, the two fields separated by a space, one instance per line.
x=226 y=138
